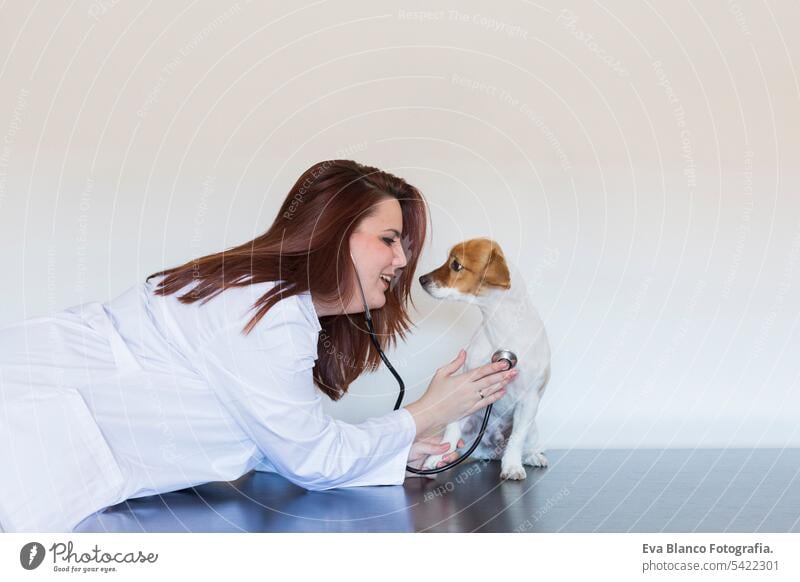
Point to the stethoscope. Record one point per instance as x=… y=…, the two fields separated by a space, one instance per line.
x=506 y=355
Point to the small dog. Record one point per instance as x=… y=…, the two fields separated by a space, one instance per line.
x=477 y=272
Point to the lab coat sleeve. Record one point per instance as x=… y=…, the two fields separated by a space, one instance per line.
x=265 y=381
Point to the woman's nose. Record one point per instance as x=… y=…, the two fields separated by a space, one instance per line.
x=400 y=257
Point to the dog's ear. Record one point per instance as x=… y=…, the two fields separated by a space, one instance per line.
x=496 y=272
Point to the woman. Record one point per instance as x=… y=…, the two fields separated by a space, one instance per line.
x=211 y=369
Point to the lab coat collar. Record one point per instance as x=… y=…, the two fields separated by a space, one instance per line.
x=310 y=312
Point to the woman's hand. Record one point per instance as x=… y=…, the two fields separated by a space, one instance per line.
x=451 y=397
x=426 y=446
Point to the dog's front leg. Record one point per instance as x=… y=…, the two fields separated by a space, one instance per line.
x=532 y=453
x=524 y=416
x=452 y=434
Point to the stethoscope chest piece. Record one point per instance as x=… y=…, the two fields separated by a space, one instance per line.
x=506 y=355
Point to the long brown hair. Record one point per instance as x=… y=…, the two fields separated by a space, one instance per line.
x=309 y=236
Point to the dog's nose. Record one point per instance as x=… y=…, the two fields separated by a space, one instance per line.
x=424 y=280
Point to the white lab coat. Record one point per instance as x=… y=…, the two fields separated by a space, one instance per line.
x=141 y=395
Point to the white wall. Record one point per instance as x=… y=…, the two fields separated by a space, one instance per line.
x=638 y=161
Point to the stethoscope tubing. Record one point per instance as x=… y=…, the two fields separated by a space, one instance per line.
x=399 y=402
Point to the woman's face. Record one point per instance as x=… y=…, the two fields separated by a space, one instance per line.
x=376 y=250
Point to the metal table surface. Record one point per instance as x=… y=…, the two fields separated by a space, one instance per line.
x=586 y=490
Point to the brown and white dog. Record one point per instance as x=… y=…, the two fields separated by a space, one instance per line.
x=477 y=272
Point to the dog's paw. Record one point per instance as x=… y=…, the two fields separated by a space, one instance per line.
x=432 y=461
x=512 y=471
x=536 y=459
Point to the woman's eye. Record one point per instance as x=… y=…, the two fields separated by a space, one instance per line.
x=388 y=241
x=456 y=266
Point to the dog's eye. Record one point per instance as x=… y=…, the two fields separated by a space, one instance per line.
x=456 y=266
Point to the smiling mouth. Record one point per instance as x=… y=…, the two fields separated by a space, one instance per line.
x=386 y=279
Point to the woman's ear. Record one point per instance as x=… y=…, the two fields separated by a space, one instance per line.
x=496 y=273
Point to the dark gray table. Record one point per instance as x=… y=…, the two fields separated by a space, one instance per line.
x=643 y=490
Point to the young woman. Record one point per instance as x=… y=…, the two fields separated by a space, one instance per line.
x=211 y=369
